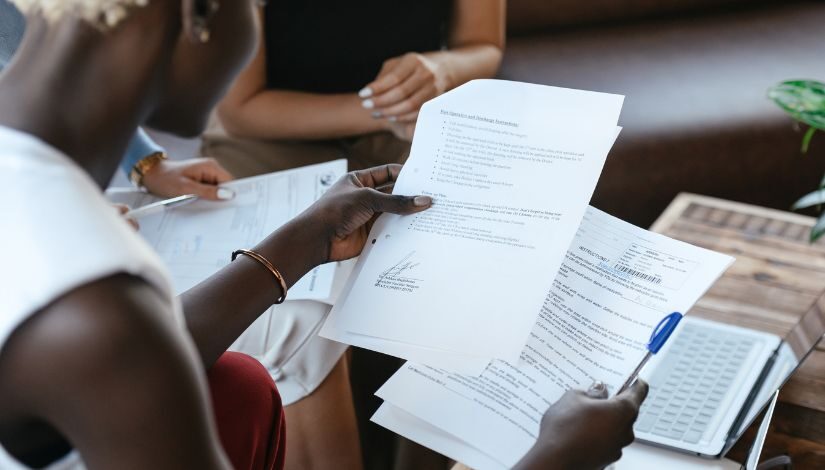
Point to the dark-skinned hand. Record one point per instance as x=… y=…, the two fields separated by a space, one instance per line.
x=343 y=217
x=585 y=430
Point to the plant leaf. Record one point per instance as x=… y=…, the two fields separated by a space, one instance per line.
x=819 y=228
x=808 y=200
x=806 y=141
x=804 y=100
x=821 y=187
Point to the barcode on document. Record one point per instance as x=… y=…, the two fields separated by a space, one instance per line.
x=640 y=275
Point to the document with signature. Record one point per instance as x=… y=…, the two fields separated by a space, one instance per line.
x=196 y=240
x=510 y=167
x=616 y=282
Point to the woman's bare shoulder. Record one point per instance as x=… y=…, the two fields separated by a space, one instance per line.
x=87 y=333
x=108 y=367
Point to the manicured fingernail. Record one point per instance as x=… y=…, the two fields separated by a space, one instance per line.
x=368 y=104
x=365 y=92
x=421 y=201
x=393 y=118
x=597 y=386
x=377 y=114
x=225 y=194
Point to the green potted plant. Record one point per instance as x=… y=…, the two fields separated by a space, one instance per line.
x=804 y=100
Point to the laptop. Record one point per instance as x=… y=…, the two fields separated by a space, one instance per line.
x=712 y=379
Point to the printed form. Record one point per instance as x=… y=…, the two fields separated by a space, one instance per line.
x=511 y=167
x=196 y=240
x=615 y=284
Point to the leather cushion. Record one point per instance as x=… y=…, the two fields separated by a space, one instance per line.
x=533 y=15
x=696 y=115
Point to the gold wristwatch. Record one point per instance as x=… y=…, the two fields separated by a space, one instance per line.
x=143 y=166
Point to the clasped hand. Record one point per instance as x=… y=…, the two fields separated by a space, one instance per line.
x=401 y=87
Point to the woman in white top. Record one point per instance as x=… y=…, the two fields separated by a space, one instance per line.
x=99 y=364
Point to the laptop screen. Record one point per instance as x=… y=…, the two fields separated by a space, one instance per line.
x=799 y=341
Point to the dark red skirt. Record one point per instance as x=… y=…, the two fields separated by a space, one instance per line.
x=248 y=412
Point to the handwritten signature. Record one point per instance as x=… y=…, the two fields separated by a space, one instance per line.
x=399 y=268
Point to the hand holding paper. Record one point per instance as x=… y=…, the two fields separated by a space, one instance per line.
x=195 y=240
x=585 y=429
x=350 y=207
x=608 y=295
x=511 y=291
x=509 y=184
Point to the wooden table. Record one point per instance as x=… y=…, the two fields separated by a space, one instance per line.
x=777 y=277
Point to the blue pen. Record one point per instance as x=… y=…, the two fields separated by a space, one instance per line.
x=658 y=339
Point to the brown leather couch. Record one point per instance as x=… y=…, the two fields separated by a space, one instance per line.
x=695 y=74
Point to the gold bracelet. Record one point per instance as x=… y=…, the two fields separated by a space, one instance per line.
x=260 y=259
x=143 y=166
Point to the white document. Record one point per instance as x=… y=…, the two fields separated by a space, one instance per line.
x=616 y=283
x=196 y=240
x=639 y=456
x=511 y=167
x=438 y=358
x=421 y=432
x=454 y=362
x=636 y=456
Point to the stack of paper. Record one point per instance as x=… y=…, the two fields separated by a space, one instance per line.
x=198 y=239
x=613 y=287
x=510 y=290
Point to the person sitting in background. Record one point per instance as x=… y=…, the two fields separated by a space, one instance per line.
x=338 y=79
x=145 y=162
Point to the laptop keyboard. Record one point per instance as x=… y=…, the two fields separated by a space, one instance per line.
x=689 y=384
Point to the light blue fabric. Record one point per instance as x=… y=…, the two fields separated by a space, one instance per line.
x=12 y=25
x=141 y=146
